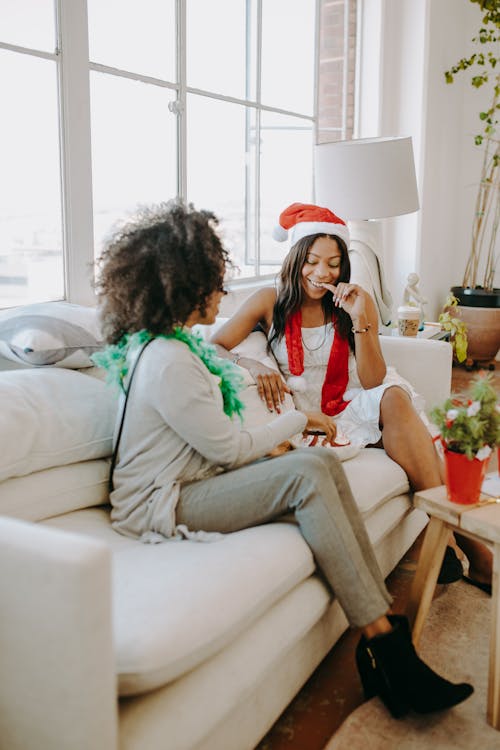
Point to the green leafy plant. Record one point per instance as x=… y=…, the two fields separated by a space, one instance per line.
x=456 y=327
x=470 y=424
x=485 y=69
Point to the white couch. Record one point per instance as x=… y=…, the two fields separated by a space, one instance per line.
x=106 y=642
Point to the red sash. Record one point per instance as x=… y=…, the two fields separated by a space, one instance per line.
x=337 y=371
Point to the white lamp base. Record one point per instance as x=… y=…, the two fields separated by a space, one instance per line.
x=365 y=252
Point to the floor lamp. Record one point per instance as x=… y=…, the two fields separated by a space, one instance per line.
x=361 y=181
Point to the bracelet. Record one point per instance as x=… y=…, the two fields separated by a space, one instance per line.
x=362 y=330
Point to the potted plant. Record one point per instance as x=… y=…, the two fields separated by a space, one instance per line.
x=477 y=290
x=469 y=429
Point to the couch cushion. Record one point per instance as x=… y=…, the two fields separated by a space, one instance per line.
x=374 y=478
x=50 y=333
x=51 y=492
x=175 y=604
x=53 y=417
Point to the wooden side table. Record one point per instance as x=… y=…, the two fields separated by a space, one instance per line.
x=480 y=522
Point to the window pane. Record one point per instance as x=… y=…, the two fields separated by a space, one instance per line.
x=28 y=23
x=216 y=60
x=286 y=177
x=31 y=259
x=133 y=149
x=138 y=37
x=288 y=28
x=220 y=159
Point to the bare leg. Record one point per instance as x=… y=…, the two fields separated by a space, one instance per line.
x=480 y=559
x=382 y=625
x=407 y=441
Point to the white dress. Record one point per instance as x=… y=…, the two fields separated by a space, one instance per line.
x=360 y=419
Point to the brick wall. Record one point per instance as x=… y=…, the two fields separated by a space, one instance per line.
x=336 y=121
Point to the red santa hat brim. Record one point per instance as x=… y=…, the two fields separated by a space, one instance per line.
x=302 y=220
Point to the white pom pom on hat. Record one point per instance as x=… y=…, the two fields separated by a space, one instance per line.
x=279 y=234
x=303 y=219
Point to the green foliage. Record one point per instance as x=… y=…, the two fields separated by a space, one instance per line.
x=486 y=61
x=456 y=327
x=469 y=424
x=484 y=69
x=116 y=359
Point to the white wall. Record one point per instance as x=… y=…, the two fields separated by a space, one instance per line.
x=418 y=42
x=451 y=161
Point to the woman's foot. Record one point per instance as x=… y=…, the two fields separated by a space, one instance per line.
x=390 y=668
x=478 y=583
x=451 y=567
x=480 y=561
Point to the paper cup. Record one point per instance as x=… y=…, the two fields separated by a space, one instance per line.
x=408 y=320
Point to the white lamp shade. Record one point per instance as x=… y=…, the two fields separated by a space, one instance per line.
x=368 y=178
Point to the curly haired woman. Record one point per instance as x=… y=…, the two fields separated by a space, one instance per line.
x=181 y=455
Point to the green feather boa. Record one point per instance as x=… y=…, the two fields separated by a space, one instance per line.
x=116 y=360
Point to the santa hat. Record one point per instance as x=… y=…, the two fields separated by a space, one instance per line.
x=301 y=220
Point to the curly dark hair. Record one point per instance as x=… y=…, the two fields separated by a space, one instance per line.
x=158 y=269
x=291 y=292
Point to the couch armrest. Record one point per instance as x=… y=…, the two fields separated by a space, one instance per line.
x=58 y=689
x=425 y=363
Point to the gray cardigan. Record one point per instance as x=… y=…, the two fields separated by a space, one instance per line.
x=176 y=431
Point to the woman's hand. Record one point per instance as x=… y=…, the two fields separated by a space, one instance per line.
x=270 y=384
x=319 y=422
x=280 y=449
x=351 y=298
x=361 y=308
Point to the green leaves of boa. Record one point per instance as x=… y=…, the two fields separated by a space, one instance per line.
x=116 y=359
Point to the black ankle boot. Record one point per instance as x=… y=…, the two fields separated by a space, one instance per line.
x=451 y=567
x=390 y=668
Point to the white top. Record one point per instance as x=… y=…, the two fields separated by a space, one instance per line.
x=317 y=343
x=176 y=431
x=360 y=419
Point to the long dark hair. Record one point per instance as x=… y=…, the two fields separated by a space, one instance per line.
x=291 y=292
x=158 y=268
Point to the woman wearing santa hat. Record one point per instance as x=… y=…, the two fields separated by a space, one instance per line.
x=323 y=332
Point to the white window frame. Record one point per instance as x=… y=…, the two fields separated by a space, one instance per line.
x=74 y=67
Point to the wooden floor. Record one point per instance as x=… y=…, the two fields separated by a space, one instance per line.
x=334 y=690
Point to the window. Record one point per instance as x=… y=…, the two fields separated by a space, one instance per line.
x=31 y=256
x=132 y=86
x=113 y=104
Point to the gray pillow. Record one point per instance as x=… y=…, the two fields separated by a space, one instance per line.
x=50 y=333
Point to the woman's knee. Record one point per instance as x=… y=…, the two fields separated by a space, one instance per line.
x=316 y=460
x=396 y=404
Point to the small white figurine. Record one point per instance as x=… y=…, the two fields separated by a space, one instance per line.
x=412 y=296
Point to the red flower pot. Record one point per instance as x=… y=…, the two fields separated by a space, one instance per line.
x=464 y=477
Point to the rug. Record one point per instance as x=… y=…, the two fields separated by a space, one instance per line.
x=455 y=642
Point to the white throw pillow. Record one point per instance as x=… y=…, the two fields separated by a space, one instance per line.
x=256 y=412
x=53 y=417
x=51 y=492
x=50 y=333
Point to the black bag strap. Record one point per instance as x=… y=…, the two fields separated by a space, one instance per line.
x=122 y=419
